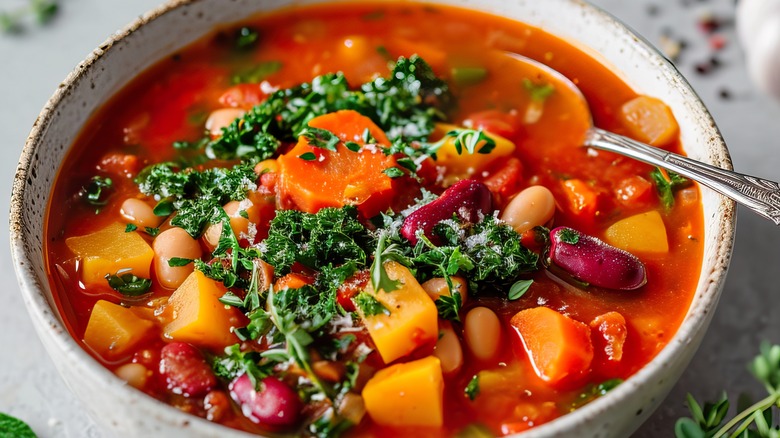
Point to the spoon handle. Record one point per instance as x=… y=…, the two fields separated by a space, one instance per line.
x=760 y=195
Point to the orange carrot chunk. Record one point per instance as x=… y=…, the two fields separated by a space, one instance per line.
x=582 y=199
x=343 y=177
x=559 y=347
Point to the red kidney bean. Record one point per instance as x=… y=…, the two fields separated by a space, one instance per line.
x=185 y=371
x=468 y=199
x=590 y=260
x=274 y=404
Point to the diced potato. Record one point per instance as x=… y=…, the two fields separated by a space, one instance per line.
x=198 y=316
x=413 y=319
x=649 y=120
x=108 y=250
x=113 y=330
x=644 y=232
x=559 y=347
x=465 y=165
x=407 y=394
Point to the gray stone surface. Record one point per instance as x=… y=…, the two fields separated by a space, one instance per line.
x=32 y=64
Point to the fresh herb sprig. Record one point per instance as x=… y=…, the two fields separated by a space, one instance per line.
x=667 y=183
x=756 y=420
x=43 y=11
x=14 y=427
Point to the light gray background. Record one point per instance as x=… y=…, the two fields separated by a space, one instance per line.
x=32 y=64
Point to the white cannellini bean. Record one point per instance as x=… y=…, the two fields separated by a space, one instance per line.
x=448 y=350
x=134 y=374
x=174 y=242
x=139 y=213
x=482 y=332
x=222 y=118
x=531 y=207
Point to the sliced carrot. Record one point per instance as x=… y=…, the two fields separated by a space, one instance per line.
x=609 y=335
x=293 y=281
x=559 y=347
x=649 y=120
x=582 y=198
x=343 y=177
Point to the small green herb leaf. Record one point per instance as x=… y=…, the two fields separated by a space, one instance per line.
x=130 y=228
x=368 y=305
x=539 y=92
x=449 y=306
x=97 y=191
x=321 y=138
x=152 y=231
x=393 y=172
x=14 y=428
x=667 y=187
x=246 y=37
x=307 y=156
x=472 y=389
x=128 y=284
x=351 y=145
x=519 y=289
x=178 y=261
x=567 y=235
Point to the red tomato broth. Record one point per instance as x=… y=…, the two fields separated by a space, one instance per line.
x=169 y=102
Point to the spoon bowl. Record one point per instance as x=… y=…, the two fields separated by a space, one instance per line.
x=759 y=195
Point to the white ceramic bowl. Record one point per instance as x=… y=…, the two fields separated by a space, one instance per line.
x=127 y=412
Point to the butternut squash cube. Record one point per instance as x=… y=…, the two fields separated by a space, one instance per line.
x=413 y=319
x=108 y=250
x=465 y=165
x=407 y=394
x=644 y=232
x=198 y=316
x=113 y=330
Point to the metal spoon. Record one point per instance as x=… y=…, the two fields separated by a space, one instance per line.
x=758 y=194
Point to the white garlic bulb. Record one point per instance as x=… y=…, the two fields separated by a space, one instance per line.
x=758 y=26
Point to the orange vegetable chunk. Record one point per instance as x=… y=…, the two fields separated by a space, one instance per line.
x=344 y=177
x=113 y=330
x=649 y=120
x=644 y=232
x=582 y=198
x=407 y=394
x=559 y=347
x=413 y=318
x=108 y=250
x=198 y=316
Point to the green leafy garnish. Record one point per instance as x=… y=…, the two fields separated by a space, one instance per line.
x=519 y=289
x=449 y=306
x=97 y=191
x=666 y=187
x=129 y=228
x=246 y=37
x=592 y=392
x=756 y=420
x=393 y=172
x=368 y=305
x=567 y=235
x=321 y=138
x=539 y=92
x=197 y=196
x=128 y=284
x=152 y=231
x=307 y=156
x=178 y=261
x=11 y=427
x=472 y=389
x=41 y=10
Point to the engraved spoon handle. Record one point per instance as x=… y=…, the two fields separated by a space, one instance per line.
x=760 y=195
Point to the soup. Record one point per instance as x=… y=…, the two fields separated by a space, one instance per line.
x=343 y=220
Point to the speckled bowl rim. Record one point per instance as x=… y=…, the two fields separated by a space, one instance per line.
x=47 y=323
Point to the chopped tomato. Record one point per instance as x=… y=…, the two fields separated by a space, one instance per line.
x=120 y=165
x=505 y=180
x=634 y=191
x=496 y=122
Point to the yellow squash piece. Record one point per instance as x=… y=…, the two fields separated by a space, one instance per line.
x=114 y=330
x=108 y=250
x=465 y=165
x=645 y=233
x=198 y=316
x=413 y=319
x=407 y=394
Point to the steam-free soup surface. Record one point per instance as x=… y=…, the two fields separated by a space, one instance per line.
x=245 y=272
